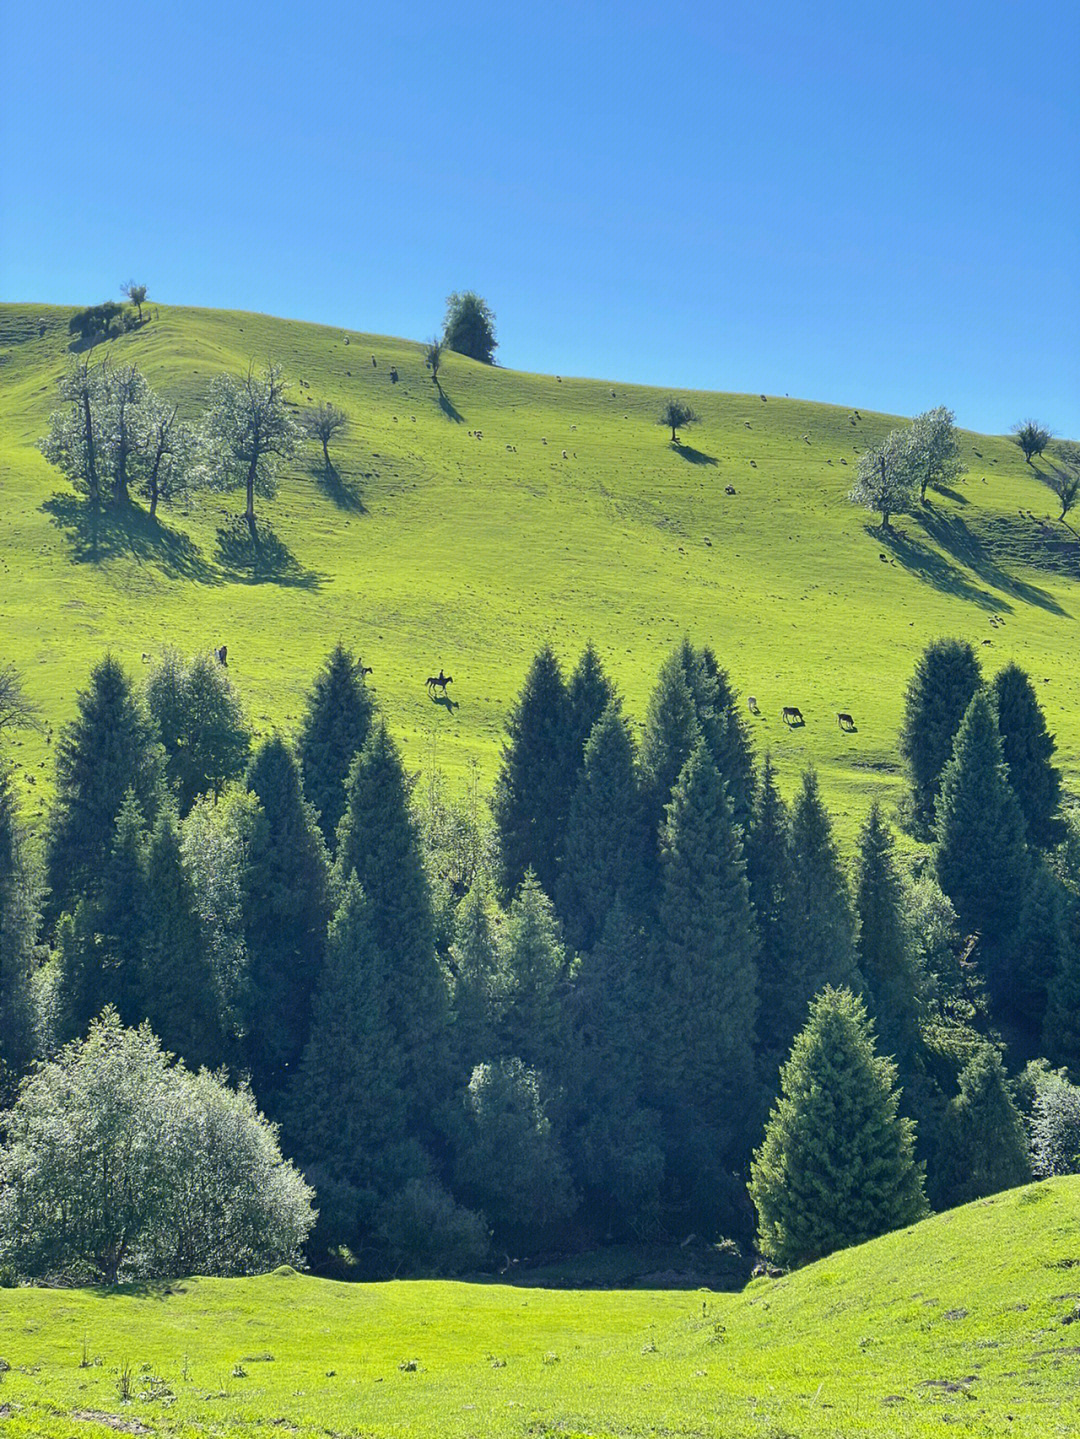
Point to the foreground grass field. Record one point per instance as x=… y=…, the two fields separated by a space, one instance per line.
x=966 y=1318
x=573 y=516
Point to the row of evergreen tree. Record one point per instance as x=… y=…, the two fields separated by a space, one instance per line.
x=571 y=1026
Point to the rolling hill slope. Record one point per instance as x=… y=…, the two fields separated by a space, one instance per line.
x=968 y=1318
x=431 y=547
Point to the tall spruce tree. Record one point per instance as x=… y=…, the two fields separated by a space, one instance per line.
x=1061 y=1027
x=945 y=679
x=672 y=731
x=346 y=1111
x=733 y=753
x=101 y=945
x=837 y=1163
x=532 y=792
x=478 y=983
x=18 y=922
x=818 y=917
x=604 y=851
x=1040 y=952
x=589 y=693
x=768 y=870
x=706 y=991
x=534 y=963
x=377 y=839
x=982 y=861
x=109 y=748
x=613 y=1138
x=335 y=726
x=201 y=724
x=179 y=989
x=286 y=911
x=886 y=953
x=1028 y=747
x=985 y=1149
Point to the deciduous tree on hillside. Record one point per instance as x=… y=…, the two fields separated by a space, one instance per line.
x=677 y=415
x=324 y=423
x=887 y=474
x=249 y=432
x=1032 y=437
x=433 y=359
x=469 y=327
x=937 y=449
x=136 y=293
x=1064 y=476
x=16 y=711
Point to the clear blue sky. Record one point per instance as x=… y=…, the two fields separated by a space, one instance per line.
x=873 y=204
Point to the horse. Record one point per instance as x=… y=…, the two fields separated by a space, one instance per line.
x=844 y=720
x=439 y=682
x=791 y=714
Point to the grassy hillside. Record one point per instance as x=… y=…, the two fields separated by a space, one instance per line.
x=966 y=1318
x=431 y=547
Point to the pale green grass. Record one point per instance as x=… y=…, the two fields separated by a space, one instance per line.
x=435 y=548
x=965 y=1318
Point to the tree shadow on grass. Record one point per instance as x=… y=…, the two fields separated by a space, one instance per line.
x=448 y=407
x=262 y=558
x=695 y=457
x=948 y=493
x=140 y=1289
x=337 y=488
x=934 y=568
x=952 y=534
x=99 y=533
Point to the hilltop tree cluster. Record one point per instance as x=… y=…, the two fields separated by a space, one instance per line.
x=649 y=979
x=908 y=462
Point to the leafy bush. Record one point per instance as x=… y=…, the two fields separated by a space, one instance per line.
x=1055 y=1128
x=120 y=1164
x=427 y=1232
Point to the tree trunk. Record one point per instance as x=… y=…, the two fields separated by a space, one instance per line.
x=153 y=502
x=91 y=457
x=674 y=436
x=326 y=456
x=249 y=513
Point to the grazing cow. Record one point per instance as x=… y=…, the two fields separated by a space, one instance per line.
x=439 y=681
x=751 y=701
x=844 y=720
x=729 y=489
x=222 y=656
x=791 y=714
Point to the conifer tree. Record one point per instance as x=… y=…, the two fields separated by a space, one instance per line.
x=589 y=692
x=837 y=1163
x=706 y=992
x=201 y=724
x=612 y=1137
x=532 y=792
x=346 y=1110
x=286 y=911
x=945 y=679
x=1028 y=747
x=377 y=839
x=109 y=748
x=179 y=989
x=732 y=753
x=768 y=870
x=101 y=949
x=672 y=731
x=1039 y=952
x=605 y=838
x=18 y=922
x=533 y=961
x=818 y=917
x=982 y=862
x=479 y=988
x=1061 y=1027
x=886 y=955
x=333 y=732
x=985 y=1149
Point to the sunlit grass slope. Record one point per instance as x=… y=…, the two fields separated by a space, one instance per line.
x=966 y=1318
x=430 y=547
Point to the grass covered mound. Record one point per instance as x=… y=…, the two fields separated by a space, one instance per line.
x=460 y=526
x=966 y=1317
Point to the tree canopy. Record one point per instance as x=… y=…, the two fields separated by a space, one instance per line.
x=469 y=327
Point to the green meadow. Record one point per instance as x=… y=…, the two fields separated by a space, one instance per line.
x=965 y=1319
x=571 y=517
